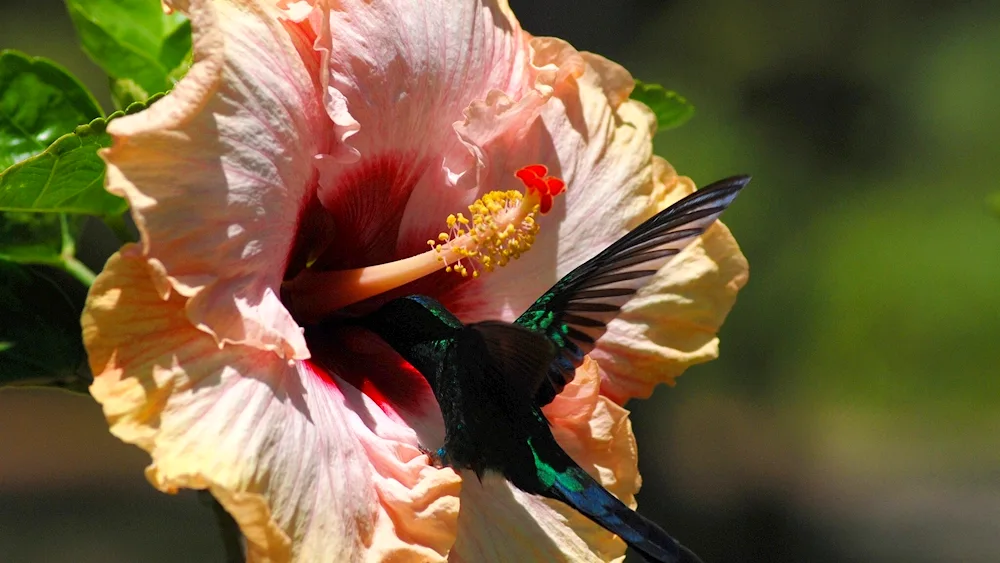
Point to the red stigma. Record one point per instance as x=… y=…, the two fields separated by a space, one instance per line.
x=535 y=179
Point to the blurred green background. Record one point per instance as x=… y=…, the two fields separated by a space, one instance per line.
x=853 y=414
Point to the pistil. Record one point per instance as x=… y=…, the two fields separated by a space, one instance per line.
x=502 y=226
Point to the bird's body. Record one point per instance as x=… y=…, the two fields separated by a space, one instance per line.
x=492 y=378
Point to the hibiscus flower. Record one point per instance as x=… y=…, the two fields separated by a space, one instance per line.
x=310 y=151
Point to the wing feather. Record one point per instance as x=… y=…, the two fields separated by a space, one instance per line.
x=514 y=353
x=575 y=312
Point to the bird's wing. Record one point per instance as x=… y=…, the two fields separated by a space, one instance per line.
x=575 y=312
x=486 y=400
x=519 y=355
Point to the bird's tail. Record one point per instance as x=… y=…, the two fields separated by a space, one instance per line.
x=576 y=488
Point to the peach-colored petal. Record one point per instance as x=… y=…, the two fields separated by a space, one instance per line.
x=311 y=468
x=218 y=170
x=501 y=523
x=672 y=323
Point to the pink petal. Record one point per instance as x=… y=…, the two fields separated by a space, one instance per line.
x=401 y=72
x=218 y=171
x=501 y=523
x=420 y=93
x=311 y=468
x=600 y=143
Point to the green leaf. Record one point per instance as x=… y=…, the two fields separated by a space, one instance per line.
x=39 y=102
x=132 y=39
x=40 y=340
x=125 y=92
x=181 y=69
x=34 y=238
x=47 y=239
x=68 y=177
x=176 y=50
x=671 y=109
x=40 y=333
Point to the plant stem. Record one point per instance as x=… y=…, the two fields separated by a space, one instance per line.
x=78 y=270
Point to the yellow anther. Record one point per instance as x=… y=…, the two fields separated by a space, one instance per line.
x=501 y=227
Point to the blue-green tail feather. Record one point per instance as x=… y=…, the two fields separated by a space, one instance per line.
x=579 y=490
x=558 y=477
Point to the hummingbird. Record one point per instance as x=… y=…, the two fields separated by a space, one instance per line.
x=492 y=378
